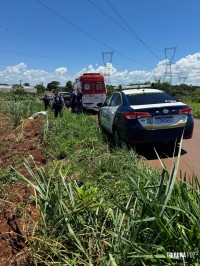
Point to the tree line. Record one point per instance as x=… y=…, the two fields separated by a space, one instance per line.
x=178 y=91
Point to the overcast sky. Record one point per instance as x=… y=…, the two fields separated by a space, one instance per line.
x=128 y=41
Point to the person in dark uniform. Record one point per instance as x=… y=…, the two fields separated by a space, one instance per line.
x=58 y=105
x=46 y=101
x=73 y=100
x=80 y=97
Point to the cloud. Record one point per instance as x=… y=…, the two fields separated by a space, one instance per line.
x=61 y=70
x=187 y=69
x=15 y=69
x=34 y=72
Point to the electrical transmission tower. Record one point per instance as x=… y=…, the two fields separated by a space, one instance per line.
x=169 y=55
x=182 y=79
x=107 y=60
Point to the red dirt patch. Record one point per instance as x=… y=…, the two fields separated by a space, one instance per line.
x=18 y=214
x=17 y=144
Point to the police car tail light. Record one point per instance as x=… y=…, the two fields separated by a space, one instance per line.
x=186 y=111
x=135 y=115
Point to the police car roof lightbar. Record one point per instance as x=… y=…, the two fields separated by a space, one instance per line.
x=137 y=86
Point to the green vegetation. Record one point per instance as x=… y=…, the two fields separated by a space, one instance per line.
x=195 y=108
x=19 y=105
x=100 y=205
x=55 y=86
x=107 y=207
x=78 y=226
x=22 y=109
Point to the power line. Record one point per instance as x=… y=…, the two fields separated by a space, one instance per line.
x=28 y=54
x=85 y=32
x=131 y=32
x=136 y=35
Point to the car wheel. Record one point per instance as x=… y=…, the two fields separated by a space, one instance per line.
x=117 y=138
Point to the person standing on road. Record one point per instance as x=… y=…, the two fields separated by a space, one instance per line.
x=46 y=101
x=58 y=105
x=80 y=97
x=73 y=100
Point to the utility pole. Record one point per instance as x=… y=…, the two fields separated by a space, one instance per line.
x=107 y=60
x=169 y=55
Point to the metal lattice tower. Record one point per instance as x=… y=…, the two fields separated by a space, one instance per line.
x=182 y=79
x=107 y=60
x=169 y=55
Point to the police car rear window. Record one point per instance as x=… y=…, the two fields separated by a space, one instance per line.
x=150 y=98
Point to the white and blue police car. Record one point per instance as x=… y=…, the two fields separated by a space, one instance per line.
x=139 y=115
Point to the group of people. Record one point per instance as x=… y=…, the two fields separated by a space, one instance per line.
x=58 y=103
x=76 y=101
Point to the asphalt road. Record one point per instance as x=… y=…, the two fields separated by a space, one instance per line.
x=190 y=154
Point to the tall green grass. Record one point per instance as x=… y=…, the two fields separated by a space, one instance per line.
x=19 y=106
x=196 y=108
x=103 y=206
x=79 y=226
x=20 y=110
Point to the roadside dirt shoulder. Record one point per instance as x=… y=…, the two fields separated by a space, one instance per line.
x=17 y=211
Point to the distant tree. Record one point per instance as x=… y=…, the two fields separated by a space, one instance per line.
x=197 y=91
x=69 y=85
x=26 y=84
x=165 y=86
x=110 y=89
x=40 y=89
x=53 y=86
x=18 y=89
x=196 y=95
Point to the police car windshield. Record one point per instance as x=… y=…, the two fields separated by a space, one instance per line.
x=150 y=98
